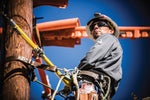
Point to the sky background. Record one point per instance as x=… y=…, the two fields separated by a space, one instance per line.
x=136 y=56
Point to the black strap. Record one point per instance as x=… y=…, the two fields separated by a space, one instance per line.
x=89 y=73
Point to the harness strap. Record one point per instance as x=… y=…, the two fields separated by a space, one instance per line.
x=23 y=60
x=34 y=64
x=89 y=73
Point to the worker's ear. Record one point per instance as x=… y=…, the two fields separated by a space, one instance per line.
x=111 y=31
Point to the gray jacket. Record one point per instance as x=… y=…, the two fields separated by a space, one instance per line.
x=105 y=56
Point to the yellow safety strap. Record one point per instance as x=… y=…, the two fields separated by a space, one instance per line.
x=44 y=58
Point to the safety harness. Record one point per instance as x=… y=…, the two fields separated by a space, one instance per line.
x=88 y=77
x=67 y=77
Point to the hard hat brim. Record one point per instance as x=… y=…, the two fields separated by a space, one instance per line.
x=111 y=23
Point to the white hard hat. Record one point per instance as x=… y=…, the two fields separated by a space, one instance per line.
x=98 y=17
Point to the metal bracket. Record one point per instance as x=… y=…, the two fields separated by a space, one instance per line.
x=39 y=52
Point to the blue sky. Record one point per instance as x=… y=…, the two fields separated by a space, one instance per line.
x=136 y=54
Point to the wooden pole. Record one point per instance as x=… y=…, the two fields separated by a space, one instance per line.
x=15 y=82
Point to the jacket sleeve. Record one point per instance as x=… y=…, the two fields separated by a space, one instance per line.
x=97 y=52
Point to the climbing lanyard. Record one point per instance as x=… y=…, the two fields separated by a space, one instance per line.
x=38 y=51
x=65 y=78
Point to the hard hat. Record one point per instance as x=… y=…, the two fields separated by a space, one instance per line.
x=98 y=17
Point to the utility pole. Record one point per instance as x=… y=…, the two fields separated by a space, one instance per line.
x=15 y=83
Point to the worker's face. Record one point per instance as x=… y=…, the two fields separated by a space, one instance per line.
x=99 y=28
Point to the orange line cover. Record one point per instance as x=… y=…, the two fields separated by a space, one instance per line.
x=55 y=3
x=68 y=32
x=60 y=24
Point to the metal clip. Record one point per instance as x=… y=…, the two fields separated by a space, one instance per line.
x=39 y=52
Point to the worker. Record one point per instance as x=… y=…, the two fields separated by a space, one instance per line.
x=104 y=58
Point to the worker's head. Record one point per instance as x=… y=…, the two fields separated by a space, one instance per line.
x=99 y=25
x=98 y=28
